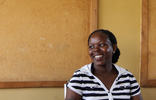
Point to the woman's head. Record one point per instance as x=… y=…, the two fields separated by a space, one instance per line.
x=110 y=41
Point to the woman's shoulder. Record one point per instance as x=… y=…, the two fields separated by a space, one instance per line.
x=83 y=70
x=122 y=70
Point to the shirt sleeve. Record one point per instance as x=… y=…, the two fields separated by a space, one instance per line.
x=135 y=88
x=75 y=83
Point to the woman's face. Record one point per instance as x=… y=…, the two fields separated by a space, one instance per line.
x=100 y=49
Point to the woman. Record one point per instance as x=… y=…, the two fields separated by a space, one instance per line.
x=102 y=79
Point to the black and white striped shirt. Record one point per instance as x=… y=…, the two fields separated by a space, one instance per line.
x=90 y=87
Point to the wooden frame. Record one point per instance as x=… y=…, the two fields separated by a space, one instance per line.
x=145 y=81
x=94 y=15
x=32 y=84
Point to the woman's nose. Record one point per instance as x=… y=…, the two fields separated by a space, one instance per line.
x=96 y=48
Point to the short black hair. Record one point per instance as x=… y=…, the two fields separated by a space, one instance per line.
x=113 y=40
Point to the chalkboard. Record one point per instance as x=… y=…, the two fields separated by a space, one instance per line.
x=44 y=41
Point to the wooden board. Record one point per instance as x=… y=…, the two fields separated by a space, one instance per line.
x=148 y=44
x=44 y=41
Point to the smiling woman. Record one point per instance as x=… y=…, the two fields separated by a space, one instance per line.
x=102 y=79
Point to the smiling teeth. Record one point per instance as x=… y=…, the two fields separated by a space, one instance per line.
x=98 y=56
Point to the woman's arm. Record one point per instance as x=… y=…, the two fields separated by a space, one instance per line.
x=71 y=95
x=137 y=97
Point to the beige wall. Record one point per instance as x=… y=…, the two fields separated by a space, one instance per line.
x=123 y=18
x=32 y=94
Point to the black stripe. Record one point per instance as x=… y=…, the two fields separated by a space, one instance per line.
x=134 y=81
x=77 y=70
x=77 y=87
x=92 y=89
x=94 y=95
x=84 y=82
x=134 y=87
x=76 y=81
x=122 y=82
x=89 y=82
x=135 y=91
x=83 y=75
x=121 y=88
x=121 y=99
x=124 y=76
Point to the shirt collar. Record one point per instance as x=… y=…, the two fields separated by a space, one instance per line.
x=119 y=69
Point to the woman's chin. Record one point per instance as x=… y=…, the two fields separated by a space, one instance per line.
x=99 y=63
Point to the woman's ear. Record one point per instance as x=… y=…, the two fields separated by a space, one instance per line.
x=114 y=47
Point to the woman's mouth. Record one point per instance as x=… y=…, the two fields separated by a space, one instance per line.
x=98 y=56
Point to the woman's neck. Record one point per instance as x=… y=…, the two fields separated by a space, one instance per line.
x=105 y=69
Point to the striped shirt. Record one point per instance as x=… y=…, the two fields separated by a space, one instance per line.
x=90 y=87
